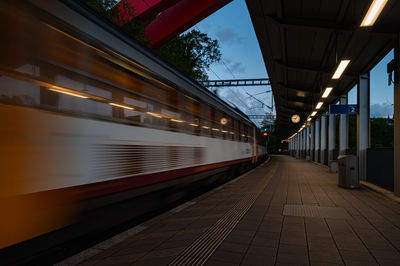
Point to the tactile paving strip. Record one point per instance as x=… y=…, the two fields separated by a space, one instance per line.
x=203 y=247
x=316 y=211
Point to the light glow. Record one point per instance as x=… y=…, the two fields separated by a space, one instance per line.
x=373 y=13
x=176 y=120
x=313 y=113
x=224 y=121
x=68 y=93
x=194 y=124
x=215 y=129
x=154 y=114
x=309 y=119
x=327 y=92
x=122 y=106
x=205 y=127
x=340 y=69
x=319 y=105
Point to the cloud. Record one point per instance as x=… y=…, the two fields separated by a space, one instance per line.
x=227 y=35
x=243 y=101
x=381 y=110
x=237 y=67
x=231 y=66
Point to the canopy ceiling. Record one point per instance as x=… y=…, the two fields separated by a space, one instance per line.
x=302 y=42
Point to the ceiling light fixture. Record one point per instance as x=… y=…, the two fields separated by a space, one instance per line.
x=327 y=92
x=373 y=12
x=313 y=113
x=340 y=69
x=319 y=105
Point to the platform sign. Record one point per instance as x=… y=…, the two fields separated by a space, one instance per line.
x=350 y=109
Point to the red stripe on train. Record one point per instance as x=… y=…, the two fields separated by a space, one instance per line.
x=80 y=192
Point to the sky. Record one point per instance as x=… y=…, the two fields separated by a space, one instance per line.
x=242 y=58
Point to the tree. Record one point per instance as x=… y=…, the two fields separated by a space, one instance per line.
x=192 y=53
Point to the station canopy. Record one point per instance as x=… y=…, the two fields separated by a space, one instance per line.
x=304 y=41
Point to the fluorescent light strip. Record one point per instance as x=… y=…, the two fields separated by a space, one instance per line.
x=215 y=129
x=154 y=114
x=340 y=69
x=309 y=119
x=313 y=113
x=68 y=93
x=327 y=92
x=373 y=13
x=122 y=106
x=194 y=125
x=319 y=105
x=205 y=127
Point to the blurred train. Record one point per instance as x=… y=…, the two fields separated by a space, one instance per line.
x=92 y=123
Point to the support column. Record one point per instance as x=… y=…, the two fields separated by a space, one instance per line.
x=323 y=139
x=303 y=142
x=363 y=128
x=297 y=145
x=331 y=144
x=312 y=138
x=317 y=132
x=300 y=143
x=396 y=132
x=293 y=150
x=307 y=144
x=344 y=129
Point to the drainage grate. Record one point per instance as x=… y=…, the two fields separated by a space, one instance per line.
x=316 y=211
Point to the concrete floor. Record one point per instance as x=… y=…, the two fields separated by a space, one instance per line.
x=243 y=223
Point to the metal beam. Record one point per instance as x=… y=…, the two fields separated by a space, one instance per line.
x=302 y=67
x=307 y=24
x=311 y=69
x=266 y=116
x=144 y=9
x=180 y=17
x=235 y=82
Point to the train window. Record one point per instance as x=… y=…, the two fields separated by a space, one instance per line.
x=13 y=91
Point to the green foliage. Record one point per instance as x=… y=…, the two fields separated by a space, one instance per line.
x=381 y=133
x=133 y=27
x=192 y=53
x=274 y=144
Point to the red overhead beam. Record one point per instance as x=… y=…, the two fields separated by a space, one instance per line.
x=144 y=9
x=178 y=18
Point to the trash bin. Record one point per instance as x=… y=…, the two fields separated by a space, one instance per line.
x=348 y=171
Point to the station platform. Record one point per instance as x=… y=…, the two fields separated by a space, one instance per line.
x=284 y=212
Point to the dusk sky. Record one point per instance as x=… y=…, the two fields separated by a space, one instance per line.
x=241 y=58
